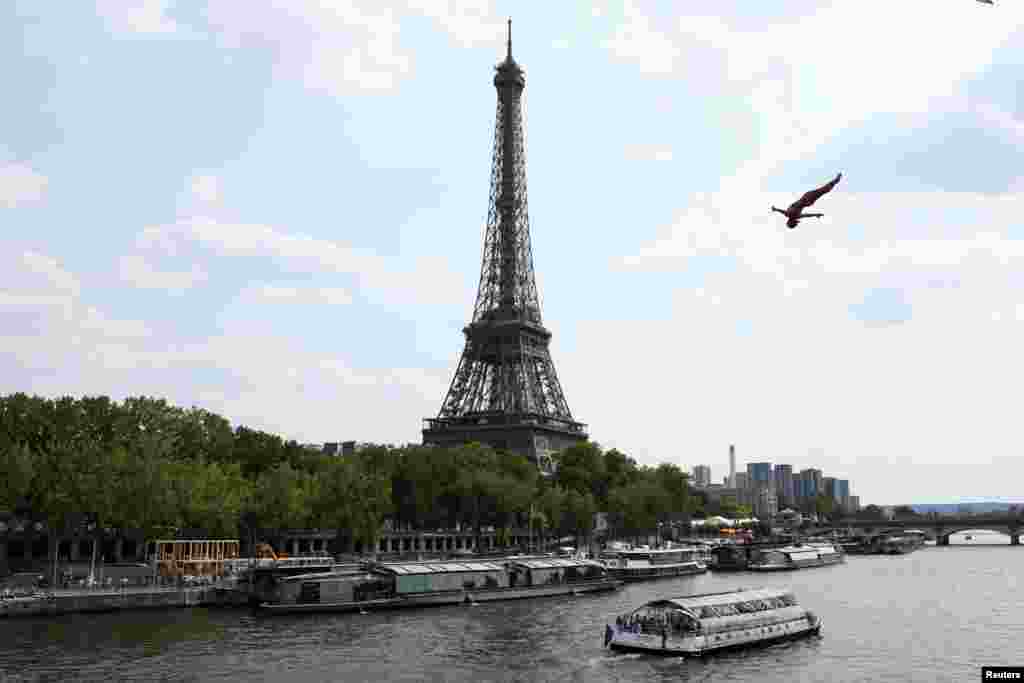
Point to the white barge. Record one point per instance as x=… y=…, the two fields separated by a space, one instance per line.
x=643 y=564
x=421 y=584
x=796 y=557
x=710 y=622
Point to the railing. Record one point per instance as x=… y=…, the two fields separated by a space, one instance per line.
x=282 y=563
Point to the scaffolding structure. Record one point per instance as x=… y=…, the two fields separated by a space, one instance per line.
x=195 y=557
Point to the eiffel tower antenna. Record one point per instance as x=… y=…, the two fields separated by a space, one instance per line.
x=505 y=392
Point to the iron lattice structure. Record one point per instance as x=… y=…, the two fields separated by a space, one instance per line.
x=505 y=391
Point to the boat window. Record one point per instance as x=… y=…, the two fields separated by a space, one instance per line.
x=728 y=610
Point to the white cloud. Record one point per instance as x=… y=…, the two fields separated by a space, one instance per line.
x=137 y=16
x=1002 y=121
x=429 y=281
x=44 y=315
x=241 y=239
x=54 y=276
x=640 y=152
x=470 y=23
x=137 y=270
x=810 y=373
x=289 y=294
x=637 y=40
x=336 y=46
x=205 y=188
x=346 y=47
x=19 y=185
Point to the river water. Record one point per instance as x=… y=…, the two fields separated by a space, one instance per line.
x=938 y=614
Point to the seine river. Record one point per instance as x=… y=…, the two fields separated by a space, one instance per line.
x=938 y=614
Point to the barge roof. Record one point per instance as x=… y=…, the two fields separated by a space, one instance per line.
x=693 y=601
x=555 y=563
x=440 y=567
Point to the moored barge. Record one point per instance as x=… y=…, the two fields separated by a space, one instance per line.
x=421 y=584
x=644 y=564
x=800 y=556
x=710 y=622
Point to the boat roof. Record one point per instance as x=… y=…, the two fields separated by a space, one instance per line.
x=555 y=563
x=690 y=602
x=636 y=551
x=439 y=567
x=342 y=574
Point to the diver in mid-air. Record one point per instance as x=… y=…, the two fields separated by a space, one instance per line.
x=793 y=213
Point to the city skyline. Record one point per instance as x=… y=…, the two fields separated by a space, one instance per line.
x=276 y=214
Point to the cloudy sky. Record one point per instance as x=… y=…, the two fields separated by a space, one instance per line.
x=275 y=210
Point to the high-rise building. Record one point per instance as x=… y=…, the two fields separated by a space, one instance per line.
x=731 y=482
x=828 y=487
x=765 y=502
x=742 y=481
x=784 y=484
x=759 y=473
x=701 y=475
x=809 y=483
x=843 y=490
x=505 y=392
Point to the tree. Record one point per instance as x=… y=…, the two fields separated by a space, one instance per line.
x=578 y=515
x=581 y=468
x=19 y=468
x=824 y=505
x=730 y=507
x=675 y=483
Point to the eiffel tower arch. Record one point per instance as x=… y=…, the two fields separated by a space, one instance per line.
x=505 y=392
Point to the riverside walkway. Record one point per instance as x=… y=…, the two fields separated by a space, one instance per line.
x=110 y=599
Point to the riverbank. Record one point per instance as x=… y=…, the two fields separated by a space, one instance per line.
x=92 y=601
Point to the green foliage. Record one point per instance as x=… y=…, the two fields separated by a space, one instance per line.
x=824 y=505
x=145 y=464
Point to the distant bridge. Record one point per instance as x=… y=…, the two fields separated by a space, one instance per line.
x=937 y=528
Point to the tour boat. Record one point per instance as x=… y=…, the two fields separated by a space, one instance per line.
x=736 y=556
x=800 y=556
x=900 y=545
x=420 y=584
x=644 y=564
x=709 y=622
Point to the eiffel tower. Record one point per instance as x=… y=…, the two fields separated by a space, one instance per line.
x=505 y=392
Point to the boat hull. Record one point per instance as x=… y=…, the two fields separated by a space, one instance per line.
x=803 y=564
x=652 y=573
x=440 y=598
x=624 y=641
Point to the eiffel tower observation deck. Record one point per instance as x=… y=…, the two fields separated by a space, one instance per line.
x=505 y=392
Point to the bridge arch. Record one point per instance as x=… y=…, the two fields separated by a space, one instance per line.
x=1012 y=531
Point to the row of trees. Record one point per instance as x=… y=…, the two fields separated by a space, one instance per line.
x=147 y=465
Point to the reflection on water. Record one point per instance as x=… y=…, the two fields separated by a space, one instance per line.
x=885 y=617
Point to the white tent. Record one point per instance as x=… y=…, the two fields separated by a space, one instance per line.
x=717 y=520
